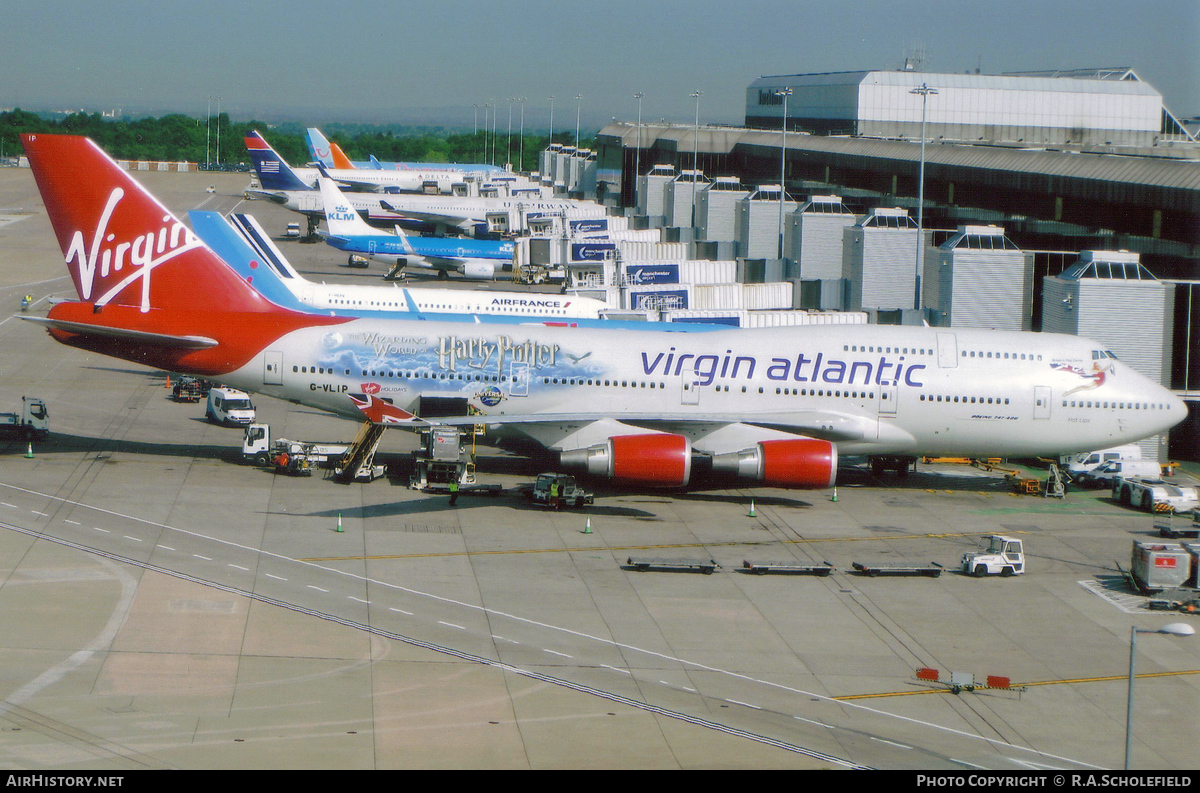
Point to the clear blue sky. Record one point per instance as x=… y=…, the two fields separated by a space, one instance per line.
x=402 y=61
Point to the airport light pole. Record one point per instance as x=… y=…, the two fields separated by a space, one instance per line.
x=637 y=167
x=578 y=108
x=1173 y=629
x=695 y=153
x=508 y=137
x=521 y=164
x=785 y=93
x=551 y=122
x=486 y=107
x=924 y=91
x=208 y=135
x=495 y=113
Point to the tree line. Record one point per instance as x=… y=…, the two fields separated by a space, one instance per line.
x=177 y=137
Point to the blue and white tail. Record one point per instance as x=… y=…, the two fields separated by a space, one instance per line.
x=318 y=147
x=273 y=171
x=340 y=217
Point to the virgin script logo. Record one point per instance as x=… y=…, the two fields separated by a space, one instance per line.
x=142 y=254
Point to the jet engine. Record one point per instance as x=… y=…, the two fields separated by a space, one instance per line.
x=803 y=463
x=479 y=271
x=657 y=460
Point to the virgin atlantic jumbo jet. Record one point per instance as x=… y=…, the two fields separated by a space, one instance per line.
x=774 y=405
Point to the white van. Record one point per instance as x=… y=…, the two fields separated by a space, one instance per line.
x=1085 y=461
x=229 y=406
x=1105 y=474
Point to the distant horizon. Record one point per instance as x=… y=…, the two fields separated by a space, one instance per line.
x=439 y=65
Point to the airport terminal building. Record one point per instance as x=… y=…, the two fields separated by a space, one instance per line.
x=1055 y=164
x=1109 y=107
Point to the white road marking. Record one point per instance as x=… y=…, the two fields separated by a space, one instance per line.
x=557 y=628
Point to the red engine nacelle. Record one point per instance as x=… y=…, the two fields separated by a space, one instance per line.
x=803 y=463
x=658 y=460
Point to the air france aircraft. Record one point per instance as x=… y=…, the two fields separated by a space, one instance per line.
x=474 y=259
x=773 y=405
x=274 y=173
x=243 y=244
x=331 y=156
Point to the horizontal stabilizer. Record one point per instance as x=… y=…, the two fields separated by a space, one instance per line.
x=125 y=334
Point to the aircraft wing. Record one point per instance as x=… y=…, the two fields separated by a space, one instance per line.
x=824 y=425
x=466 y=224
x=356 y=186
x=125 y=334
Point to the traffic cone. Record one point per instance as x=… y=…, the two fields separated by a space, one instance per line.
x=339 y=526
x=587 y=527
x=29 y=452
x=835 y=495
x=752 y=513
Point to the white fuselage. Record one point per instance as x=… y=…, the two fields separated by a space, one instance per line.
x=410 y=181
x=450 y=210
x=353 y=298
x=870 y=389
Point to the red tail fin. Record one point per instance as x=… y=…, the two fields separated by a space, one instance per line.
x=122 y=246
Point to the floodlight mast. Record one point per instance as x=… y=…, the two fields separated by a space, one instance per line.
x=924 y=92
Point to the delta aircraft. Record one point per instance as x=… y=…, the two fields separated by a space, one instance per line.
x=773 y=405
x=331 y=156
x=279 y=183
x=242 y=243
x=271 y=168
x=474 y=259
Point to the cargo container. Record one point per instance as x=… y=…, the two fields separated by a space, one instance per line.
x=1156 y=566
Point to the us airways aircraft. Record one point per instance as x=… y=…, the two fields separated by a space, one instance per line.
x=331 y=156
x=274 y=173
x=242 y=244
x=474 y=259
x=772 y=405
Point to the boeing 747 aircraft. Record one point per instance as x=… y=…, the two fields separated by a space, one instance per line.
x=773 y=405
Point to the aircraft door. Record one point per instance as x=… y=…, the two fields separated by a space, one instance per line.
x=887 y=400
x=272 y=367
x=370 y=247
x=947 y=350
x=1041 y=402
x=518 y=379
x=690 y=385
